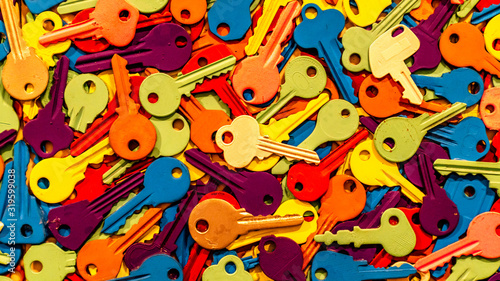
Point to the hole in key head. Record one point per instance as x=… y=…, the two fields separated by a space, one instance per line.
x=311 y=13
x=410 y=61
x=434 y=4
x=202 y=61
x=133 y=145
x=64 y=230
x=227 y=137
x=364 y=155
x=473 y=88
x=397 y=31
x=91 y=269
x=29 y=88
x=26 y=230
x=48 y=25
x=355 y=59
x=36 y=266
x=43 y=183
x=416 y=218
x=371 y=91
x=345 y=113
x=153 y=98
x=443 y=225
x=490 y=108
x=89 y=87
x=497 y=230
x=46 y=146
x=173 y=274
x=393 y=220
x=202 y=226
x=73 y=195
x=268 y=200
x=185 y=14
x=481 y=146
x=311 y=71
x=469 y=191
x=124 y=15
x=298 y=187
x=230 y=267
x=270 y=246
x=248 y=94
x=223 y=29
x=3 y=37
x=349 y=186
x=181 y=42
x=390 y=144
x=320 y=274
x=176 y=173
x=454 y=38
x=308 y=216
x=178 y=124
x=415 y=277
x=496 y=44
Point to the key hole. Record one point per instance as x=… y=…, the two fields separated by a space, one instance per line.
x=389 y=144
x=311 y=13
x=349 y=186
x=416 y=218
x=46 y=146
x=64 y=230
x=498 y=230
x=181 y=42
x=36 y=266
x=496 y=44
x=469 y=191
x=185 y=14
x=321 y=273
x=176 y=173
x=248 y=94
x=269 y=246
x=29 y=88
x=481 y=146
x=473 y=88
x=397 y=31
x=372 y=91
x=91 y=269
x=394 y=220
x=298 y=187
x=345 y=113
x=490 y=108
x=223 y=29
x=153 y=98
x=354 y=59
x=227 y=138
x=230 y=267
x=202 y=62
x=26 y=230
x=48 y=25
x=173 y=274
x=3 y=37
x=311 y=72
x=89 y=87
x=178 y=124
x=434 y=4
x=308 y=216
x=364 y=155
x=443 y=225
x=202 y=226
x=43 y=183
x=268 y=200
x=454 y=38
x=124 y=15
x=133 y=145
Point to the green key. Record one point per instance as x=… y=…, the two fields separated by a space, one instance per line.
x=218 y=272
x=55 y=263
x=469 y=268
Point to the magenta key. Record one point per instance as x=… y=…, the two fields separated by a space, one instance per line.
x=281 y=258
x=48 y=133
x=7 y=137
x=434 y=151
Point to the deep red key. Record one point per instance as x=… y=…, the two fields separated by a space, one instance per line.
x=91 y=187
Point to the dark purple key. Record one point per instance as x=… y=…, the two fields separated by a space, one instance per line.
x=7 y=137
x=163 y=242
x=259 y=193
x=366 y=220
x=495 y=277
x=49 y=129
x=282 y=260
x=167 y=47
x=428 y=32
x=437 y=208
x=72 y=224
x=434 y=151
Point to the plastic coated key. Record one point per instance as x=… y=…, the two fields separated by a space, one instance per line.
x=220 y=272
x=114 y=20
x=55 y=262
x=166 y=181
x=371 y=169
x=233 y=14
x=188 y=11
x=481 y=240
x=357 y=40
x=329 y=266
x=438 y=214
x=434 y=151
x=107 y=263
x=215 y=223
x=460 y=85
x=428 y=32
x=48 y=130
x=387 y=55
x=407 y=134
x=491 y=35
x=282 y=259
x=258 y=192
x=368 y=11
x=258 y=75
x=23 y=218
x=166 y=47
x=321 y=33
x=298 y=82
x=485 y=14
x=489 y=108
x=80 y=219
x=24 y=75
x=310 y=182
x=167 y=91
x=154 y=268
x=242 y=142
x=462 y=45
x=130 y=128
x=466 y=140
x=395 y=234
x=71 y=6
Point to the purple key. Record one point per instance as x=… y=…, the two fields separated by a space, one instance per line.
x=167 y=47
x=428 y=32
x=72 y=224
x=434 y=151
x=282 y=260
x=7 y=137
x=366 y=220
x=164 y=242
x=437 y=208
x=260 y=193
x=49 y=127
x=495 y=277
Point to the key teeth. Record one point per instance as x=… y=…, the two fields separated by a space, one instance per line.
x=113 y=174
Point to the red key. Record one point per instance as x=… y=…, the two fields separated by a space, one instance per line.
x=91 y=187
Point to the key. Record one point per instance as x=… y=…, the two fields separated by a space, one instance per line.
x=287 y=53
x=474 y=268
x=464 y=37
x=162 y=184
x=258 y=192
x=188 y=12
x=434 y=151
x=282 y=261
x=485 y=14
x=310 y=182
x=234 y=15
x=407 y=134
x=114 y=21
x=6 y=137
x=205 y=225
x=367 y=11
x=48 y=133
x=90 y=187
x=310 y=34
x=460 y=85
x=375 y=92
x=21 y=213
x=258 y=76
x=249 y=262
x=247 y=143
x=166 y=92
x=387 y=55
x=428 y=33
x=380 y=171
x=219 y=271
x=166 y=53
x=299 y=83
x=4 y=46
x=466 y=140
x=394 y=226
x=71 y=6
x=481 y=240
x=495 y=277
x=357 y=40
x=488 y=108
x=130 y=128
x=55 y=262
x=107 y=263
x=491 y=35
x=156 y=268
x=328 y=265
x=37 y=7
x=218 y=84
x=24 y=75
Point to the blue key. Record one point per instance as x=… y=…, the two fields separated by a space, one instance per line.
x=466 y=140
x=21 y=212
x=155 y=268
x=301 y=133
x=73 y=54
x=161 y=185
x=248 y=262
x=321 y=33
x=287 y=53
x=235 y=14
x=338 y=266
x=4 y=47
x=460 y=85
x=14 y=252
x=374 y=197
x=472 y=196
x=485 y=14
x=38 y=6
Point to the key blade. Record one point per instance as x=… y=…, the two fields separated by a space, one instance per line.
x=443 y=256
x=290 y=152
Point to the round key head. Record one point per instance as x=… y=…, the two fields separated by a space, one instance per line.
x=188 y=11
x=380 y=97
x=164 y=94
x=485 y=228
x=307 y=76
x=345 y=197
x=490 y=108
x=280 y=257
x=132 y=137
x=341 y=113
x=219 y=271
x=89 y=45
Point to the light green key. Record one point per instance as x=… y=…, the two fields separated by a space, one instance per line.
x=469 y=268
x=55 y=263
x=71 y=6
x=218 y=272
x=395 y=234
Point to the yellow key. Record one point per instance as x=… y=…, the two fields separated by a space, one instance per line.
x=53 y=179
x=369 y=11
x=371 y=169
x=30 y=108
x=194 y=173
x=492 y=35
x=33 y=30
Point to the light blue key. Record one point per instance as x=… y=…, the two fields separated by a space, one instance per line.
x=485 y=14
x=233 y=13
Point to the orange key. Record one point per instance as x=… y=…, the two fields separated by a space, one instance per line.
x=204 y=123
x=490 y=108
x=113 y=20
x=188 y=11
x=383 y=98
x=24 y=75
x=344 y=200
x=104 y=257
x=462 y=45
x=424 y=11
x=132 y=136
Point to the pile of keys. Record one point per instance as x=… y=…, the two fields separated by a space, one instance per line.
x=250 y=140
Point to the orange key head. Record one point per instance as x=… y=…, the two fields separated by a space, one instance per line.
x=90 y=263
x=134 y=136
x=490 y=108
x=188 y=11
x=380 y=97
